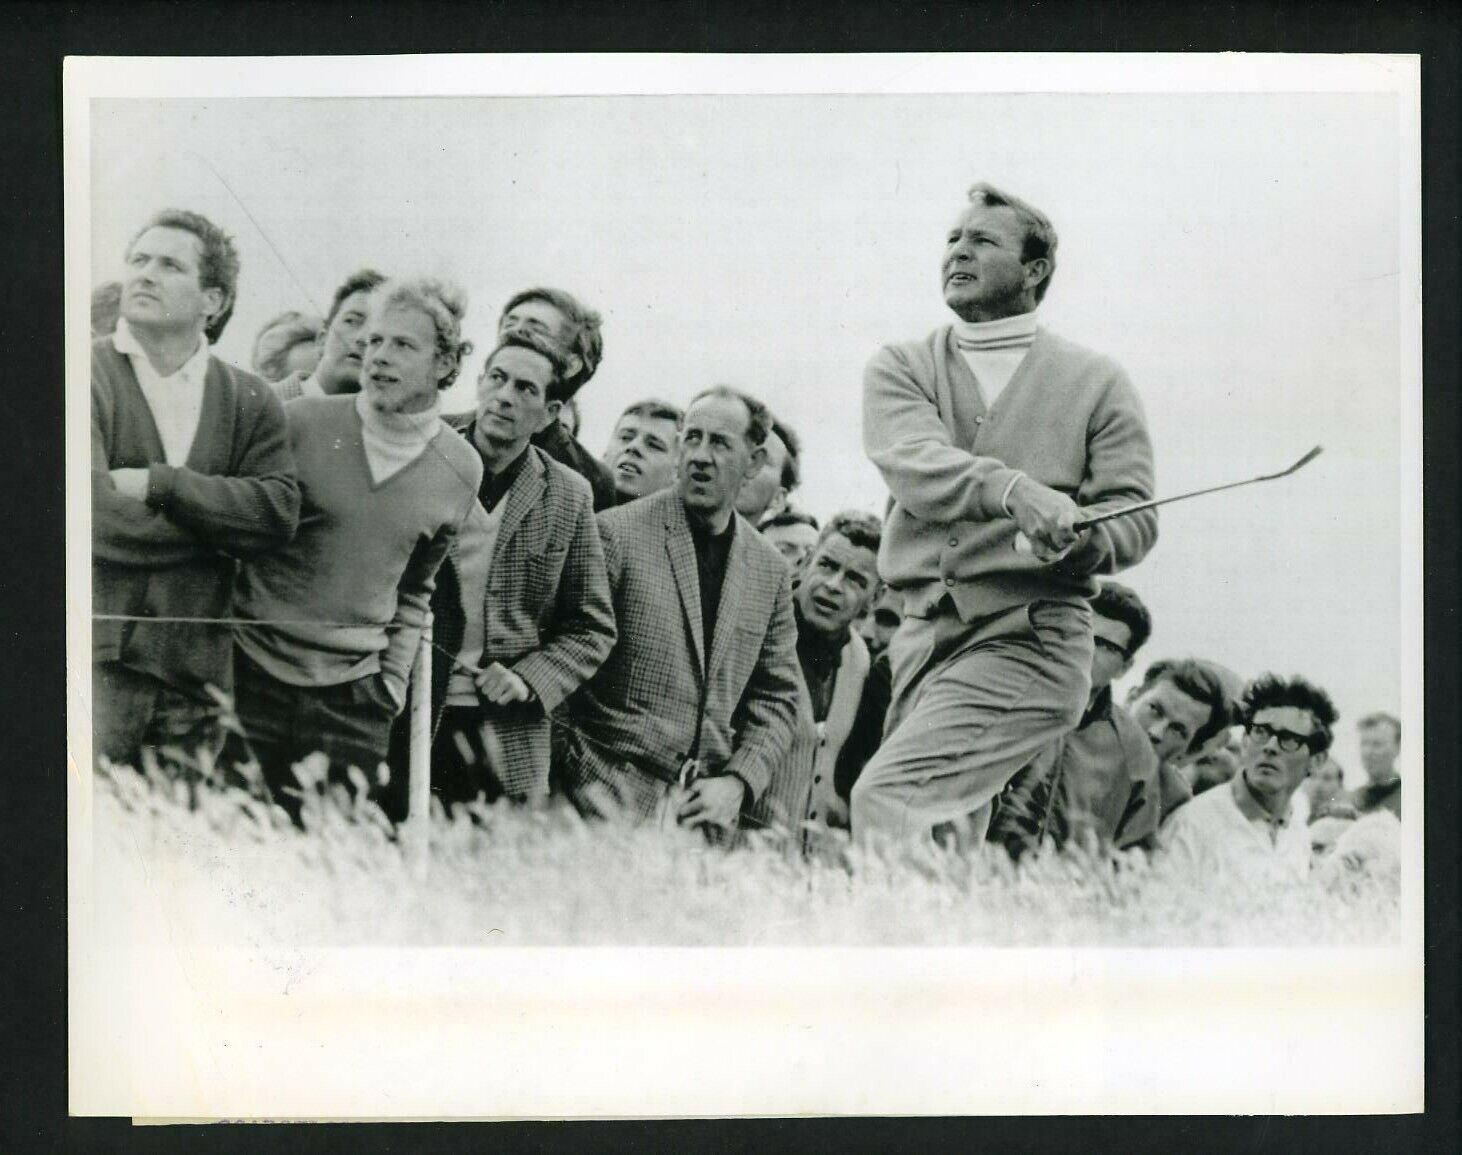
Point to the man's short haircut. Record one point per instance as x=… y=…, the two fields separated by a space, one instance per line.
x=1121 y=604
x=1381 y=718
x=364 y=281
x=106 y=307
x=760 y=423
x=792 y=464
x=442 y=301
x=790 y=516
x=1201 y=682
x=1040 y=235
x=1269 y=691
x=587 y=342
x=863 y=530
x=278 y=336
x=653 y=409
x=218 y=264
x=550 y=351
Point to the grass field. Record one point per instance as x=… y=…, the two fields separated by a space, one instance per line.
x=509 y=877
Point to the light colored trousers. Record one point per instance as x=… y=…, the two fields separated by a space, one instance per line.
x=972 y=703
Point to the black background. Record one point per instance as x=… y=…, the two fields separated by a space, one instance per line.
x=32 y=628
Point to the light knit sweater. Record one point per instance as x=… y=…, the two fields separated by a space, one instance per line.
x=1069 y=419
x=350 y=594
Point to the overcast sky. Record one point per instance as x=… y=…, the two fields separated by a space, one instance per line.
x=1238 y=254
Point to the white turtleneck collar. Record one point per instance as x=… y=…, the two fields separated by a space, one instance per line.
x=983 y=334
x=394 y=440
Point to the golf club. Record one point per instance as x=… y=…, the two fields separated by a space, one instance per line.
x=1022 y=543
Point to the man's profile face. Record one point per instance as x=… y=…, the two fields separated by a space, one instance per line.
x=162 y=286
x=762 y=493
x=1109 y=658
x=837 y=583
x=716 y=455
x=983 y=275
x=879 y=627
x=641 y=454
x=512 y=395
x=544 y=318
x=1169 y=718
x=795 y=541
x=1269 y=769
x=1325 y=783
x=342 y=342
x=1378 y=751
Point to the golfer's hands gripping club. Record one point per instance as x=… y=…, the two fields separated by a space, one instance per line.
x=1046 y=519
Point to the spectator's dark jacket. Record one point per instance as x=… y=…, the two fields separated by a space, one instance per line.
x=559 y=444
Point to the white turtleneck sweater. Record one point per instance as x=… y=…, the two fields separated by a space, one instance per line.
x=394 y=440
x=994 y=350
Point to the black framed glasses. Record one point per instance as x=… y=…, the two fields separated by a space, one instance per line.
x=1289 y=741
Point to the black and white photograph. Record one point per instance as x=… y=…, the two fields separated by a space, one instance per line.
x=839 y=556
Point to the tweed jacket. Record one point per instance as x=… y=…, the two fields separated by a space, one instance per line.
x=547 y=616
x=174 y=555
x=634 y=722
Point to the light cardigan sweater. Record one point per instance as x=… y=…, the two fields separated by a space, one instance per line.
x=1069 y=419
x=351 y=592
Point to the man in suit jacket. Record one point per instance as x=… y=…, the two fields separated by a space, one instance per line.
x=191 y=470
x=522 y=601
x=698 y=702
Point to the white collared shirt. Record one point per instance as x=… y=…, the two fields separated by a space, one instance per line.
x=176 y=401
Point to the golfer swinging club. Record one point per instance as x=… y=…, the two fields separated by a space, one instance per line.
x=989 y=427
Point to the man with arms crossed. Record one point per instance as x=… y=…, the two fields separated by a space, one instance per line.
x=1247 y=828
x=701 y=688
x=985 y=428
x=191 y=469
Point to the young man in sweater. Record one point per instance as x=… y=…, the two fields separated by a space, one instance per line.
x=522 y=602
x=191 y=470
x=385 y=484
x=987 y=428
x=563 y=319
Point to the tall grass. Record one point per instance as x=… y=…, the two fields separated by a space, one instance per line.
x=507 y=876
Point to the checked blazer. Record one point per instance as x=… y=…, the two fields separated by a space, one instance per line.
x=547 y=614
x=632 y=724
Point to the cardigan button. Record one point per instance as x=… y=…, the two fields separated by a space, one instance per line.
x=954 y=541
x=949 y=581
x=816 y=778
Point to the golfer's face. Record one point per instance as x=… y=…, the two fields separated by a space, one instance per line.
x=983 y=276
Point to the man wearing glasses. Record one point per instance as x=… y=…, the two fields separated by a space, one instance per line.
x=1248 y=827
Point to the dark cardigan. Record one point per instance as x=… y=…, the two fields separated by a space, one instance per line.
x=175 y=554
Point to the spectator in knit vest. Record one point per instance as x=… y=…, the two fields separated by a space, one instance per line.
x=767 y=491
x=340 y=341
x=641 y=452
x=697 y=704
x=1380 y=746
x=1100 y=782
x=794 y=534
x=287 y=344
x=385 y=483
x=191 y=470
x=843 y=692
x=522 y=601
x=990 y=427
x=575 y=328
x=1248 y=830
